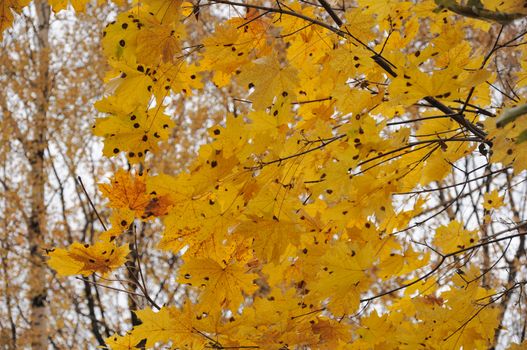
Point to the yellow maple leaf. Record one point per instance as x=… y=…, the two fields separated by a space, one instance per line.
x=120 y=36
x=343 y=276
x=159 y=43
x=85 y=259
x=360 y=23
x=375 y=329
x=121 y=219
x=225 y=51
x=131 y=86
x=330 y=332
x=507 y=6
x=231 y=138
x=7 y=9
x=492 y=200
x=136 y=132
x=399 y=264
x=281 y=318
x=126 y=191
x=178 y=76
x=221 y=283
x=78 y=5
x=125 y=342
x=505 y=149
x=269 y=78
x=453 y=237
x=165 y=11
x=158 y=326
x=272 y=236
x=170 y=324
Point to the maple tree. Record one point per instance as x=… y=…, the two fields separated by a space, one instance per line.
x=357 y=194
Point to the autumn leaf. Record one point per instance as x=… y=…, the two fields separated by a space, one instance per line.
x=342 y=276
x=166 y=11
x=58 y=5
x=135 y=131
x=85 y=259
x=492 y=200
x=222 y=283
x=453 y=236
x=126 y=342
x=127 y=191
x=121 y=220
x=170 y=324
x=7 y=9
x=269 y=78
x=506 y=6
x=159 y=43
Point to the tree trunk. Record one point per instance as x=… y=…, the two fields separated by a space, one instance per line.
x=37 y=221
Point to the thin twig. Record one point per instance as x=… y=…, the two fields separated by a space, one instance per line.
x=79 y=181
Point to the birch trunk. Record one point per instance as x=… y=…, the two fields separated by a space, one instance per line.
x=37 y=221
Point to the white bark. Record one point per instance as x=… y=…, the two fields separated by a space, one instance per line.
x=37 y=221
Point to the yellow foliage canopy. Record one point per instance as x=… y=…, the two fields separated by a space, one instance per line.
x=318 y=197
